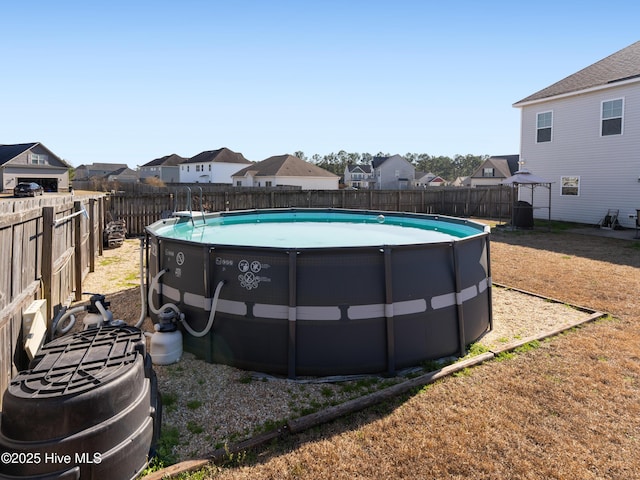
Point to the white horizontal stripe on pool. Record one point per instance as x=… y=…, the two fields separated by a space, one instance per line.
x=407 y=307
x=454 y=298
x=284 y=312
x=354 y=312
x=170 y=292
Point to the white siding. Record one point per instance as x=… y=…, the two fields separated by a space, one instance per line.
x=309 y=183
x=220 y=172
x=305 y=183
x=608 y=167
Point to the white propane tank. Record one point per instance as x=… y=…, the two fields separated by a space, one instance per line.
x=166 y=346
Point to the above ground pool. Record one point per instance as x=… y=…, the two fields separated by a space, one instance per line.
x=302 y=292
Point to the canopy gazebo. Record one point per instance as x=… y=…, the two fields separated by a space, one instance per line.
x=524 y=178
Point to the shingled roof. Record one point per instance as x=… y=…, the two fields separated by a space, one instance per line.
x=166 y=161
x=9 y=152
x=620 y=66
x=505 y=165
x=222 y=155
x=284 y=166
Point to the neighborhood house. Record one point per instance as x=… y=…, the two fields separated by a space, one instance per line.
x=286 y=170
x=32 y=162
x=213 y=166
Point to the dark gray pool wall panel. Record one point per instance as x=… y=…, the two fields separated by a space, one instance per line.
x=341 y=324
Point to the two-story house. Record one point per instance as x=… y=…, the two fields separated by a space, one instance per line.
x=583 y=133
x=359 y=176
x=165 y=168
x=212 y=166
x=32 y=162
x=393 y=173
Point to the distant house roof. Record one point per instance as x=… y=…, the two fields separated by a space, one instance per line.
x=9 y=152
x=505 y=166
x=620 y=66
x=365 y=167
x=377 y=161
x=105 y=167
x=512 y=162
x=425 y=176
x=461 y=182
x=122 y=170
x=284 y=166
x=166 y=161
x=222 y=155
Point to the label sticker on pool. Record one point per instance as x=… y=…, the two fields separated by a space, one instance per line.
x=249 y=270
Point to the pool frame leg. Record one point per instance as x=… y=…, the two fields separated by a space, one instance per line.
x=460 y=306
x=389 y=314
x=292 y=314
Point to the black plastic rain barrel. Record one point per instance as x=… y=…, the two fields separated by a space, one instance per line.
x=88 y=407
x=523 y=215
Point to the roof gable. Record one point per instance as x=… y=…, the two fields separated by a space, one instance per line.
x=121 y=171
x=505 y=166
x=284 y=166
x=166 y=161
x=620 y=66
x=9 y=152
x=222 y=155
x=378 y=161
x=360 y=167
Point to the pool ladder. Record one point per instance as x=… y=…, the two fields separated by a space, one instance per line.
x=175 y=205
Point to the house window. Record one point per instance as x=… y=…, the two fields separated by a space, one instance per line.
x=612 y=117
x=209 y=167
x=570 y=186
x=267 y=183
x=187 y=168
x=488 y=172
x=544 y=125
x=238 y=183
x=197 y=168
x=38 y=159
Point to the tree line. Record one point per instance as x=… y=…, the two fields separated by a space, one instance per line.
x=443 y=166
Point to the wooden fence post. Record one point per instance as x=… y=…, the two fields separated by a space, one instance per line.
x=92 y=235
x=100 y=223
x=77 y=241
x=47 y=259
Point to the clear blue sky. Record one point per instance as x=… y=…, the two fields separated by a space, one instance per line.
x=130 y=81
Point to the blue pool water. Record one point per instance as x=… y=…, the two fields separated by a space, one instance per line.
x=316 y=230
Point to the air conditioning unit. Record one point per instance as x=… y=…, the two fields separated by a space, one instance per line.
x=34 y=327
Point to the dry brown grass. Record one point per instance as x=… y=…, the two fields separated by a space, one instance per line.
x=569 y=409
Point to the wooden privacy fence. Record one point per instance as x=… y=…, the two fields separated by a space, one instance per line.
x=47 y=247
x=142 y=209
